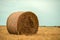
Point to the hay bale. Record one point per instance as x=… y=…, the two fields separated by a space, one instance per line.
x=22 y=23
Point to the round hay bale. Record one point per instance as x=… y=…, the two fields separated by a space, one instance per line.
x=22 y=23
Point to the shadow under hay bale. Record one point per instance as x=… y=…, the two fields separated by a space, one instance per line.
x=22 y=23
x=58 y=26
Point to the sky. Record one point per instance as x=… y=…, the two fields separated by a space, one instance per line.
x=47 y=11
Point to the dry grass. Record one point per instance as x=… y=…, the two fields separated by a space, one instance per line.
x=44 y=33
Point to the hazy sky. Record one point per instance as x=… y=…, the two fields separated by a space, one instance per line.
x=47 y=11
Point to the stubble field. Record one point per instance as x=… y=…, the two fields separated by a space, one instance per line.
x=44 y=33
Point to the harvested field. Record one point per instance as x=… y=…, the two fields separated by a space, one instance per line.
x=44 y=33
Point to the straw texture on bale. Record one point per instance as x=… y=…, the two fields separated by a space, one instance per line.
x=22 y=23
